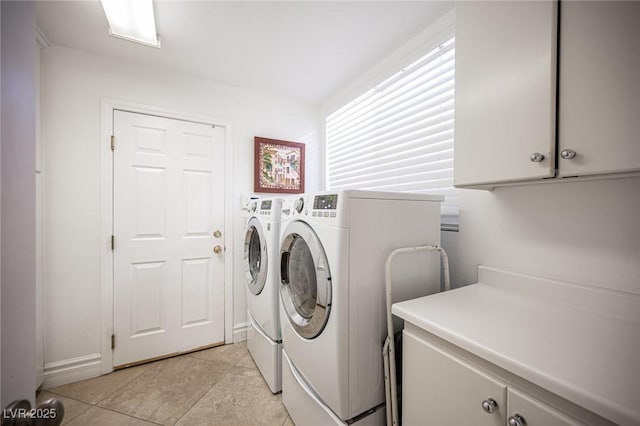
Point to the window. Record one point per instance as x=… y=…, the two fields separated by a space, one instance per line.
x=398 y=136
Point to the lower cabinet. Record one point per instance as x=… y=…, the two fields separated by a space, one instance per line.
x=439 y=388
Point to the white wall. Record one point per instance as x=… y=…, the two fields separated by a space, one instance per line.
x=73 y=84
x=1 y=400
x=438 y=31
x=586 y=232
x=18 y=201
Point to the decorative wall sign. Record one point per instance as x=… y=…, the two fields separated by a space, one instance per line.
x=279 y=166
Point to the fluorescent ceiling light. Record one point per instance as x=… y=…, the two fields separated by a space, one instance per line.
x=132 y=20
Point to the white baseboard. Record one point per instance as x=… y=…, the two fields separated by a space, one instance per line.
x=89 y=366
x=71 y=370
x=240 y=331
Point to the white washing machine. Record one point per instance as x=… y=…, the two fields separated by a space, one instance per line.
x=332 y=308
x=261 y=263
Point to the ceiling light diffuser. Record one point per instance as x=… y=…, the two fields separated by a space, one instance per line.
x=132 y=20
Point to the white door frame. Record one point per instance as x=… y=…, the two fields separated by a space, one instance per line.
x=106 y=209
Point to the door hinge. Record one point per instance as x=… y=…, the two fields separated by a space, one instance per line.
x=113 y=341
x=113 y=242
x=113 y=142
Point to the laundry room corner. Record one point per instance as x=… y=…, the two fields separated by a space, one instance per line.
x=74 y=83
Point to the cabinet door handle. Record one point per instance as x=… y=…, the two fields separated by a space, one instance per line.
x=516 y=420
x=536 y=157
x=568 y=154
x=490 y=405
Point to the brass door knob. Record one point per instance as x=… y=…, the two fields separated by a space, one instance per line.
x=217 y=249
x=217 y=233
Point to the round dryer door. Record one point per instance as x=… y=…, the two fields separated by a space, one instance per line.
x=305 y=287
x=255 y=257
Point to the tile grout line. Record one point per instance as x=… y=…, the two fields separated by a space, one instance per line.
x=70 y=419
x=230 y=371
x=204 y=393
x=129 y=381
x=210 y=387
x=68 y=397
x=194 y=404
x=98 y=407
x=129 y=415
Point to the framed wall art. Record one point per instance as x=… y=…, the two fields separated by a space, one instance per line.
x=279 y=166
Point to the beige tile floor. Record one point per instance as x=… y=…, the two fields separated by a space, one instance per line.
x=219 y=386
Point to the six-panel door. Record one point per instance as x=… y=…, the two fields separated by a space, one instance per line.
x=168 y=202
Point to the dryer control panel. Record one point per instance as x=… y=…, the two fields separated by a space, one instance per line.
x=325 y=205
x=312 y=206
x=325 y=202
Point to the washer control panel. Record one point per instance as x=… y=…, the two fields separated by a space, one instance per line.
x=265 y=207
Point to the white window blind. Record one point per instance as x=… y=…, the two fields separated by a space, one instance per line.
x=398 y=136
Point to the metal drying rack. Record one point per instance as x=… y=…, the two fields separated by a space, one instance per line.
x=388 y=350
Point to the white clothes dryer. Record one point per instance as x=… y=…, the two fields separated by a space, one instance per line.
x=332 y=308
x=261 y=263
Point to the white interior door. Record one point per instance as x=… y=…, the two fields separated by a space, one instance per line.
x=168 y=202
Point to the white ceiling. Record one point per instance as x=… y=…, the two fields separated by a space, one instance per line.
x=304 y=50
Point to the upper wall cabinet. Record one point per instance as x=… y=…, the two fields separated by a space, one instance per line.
x=599 y=88
x=511 y=56
x=505 y=91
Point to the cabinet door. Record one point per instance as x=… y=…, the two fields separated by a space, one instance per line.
x=599 y=94
x=505 y=91
x=533 y=412
x=440 y=390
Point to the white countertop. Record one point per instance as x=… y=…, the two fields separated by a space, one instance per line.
x=580 y=343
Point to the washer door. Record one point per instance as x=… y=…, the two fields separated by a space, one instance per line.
x=305 y=280
x=255 y=257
